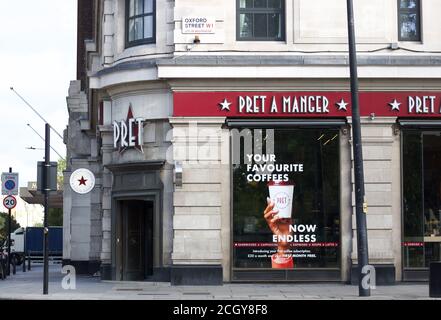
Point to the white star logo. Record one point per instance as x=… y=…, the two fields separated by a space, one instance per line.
x=342 y=105
x=395 y=105
x=225 y=105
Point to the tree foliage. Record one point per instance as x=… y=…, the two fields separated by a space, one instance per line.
x=4 y=225
x=60 y=168
x=55 y=217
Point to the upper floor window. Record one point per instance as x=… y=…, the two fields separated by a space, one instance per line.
x=140 y=26
x=409 y=20
x=260 y=20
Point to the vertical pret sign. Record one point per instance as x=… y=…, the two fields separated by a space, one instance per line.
x=10 y=183
x=128 y=133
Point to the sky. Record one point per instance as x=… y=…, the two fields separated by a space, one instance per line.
x=38 y=59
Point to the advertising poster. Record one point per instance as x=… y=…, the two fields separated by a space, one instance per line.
x=286 y=199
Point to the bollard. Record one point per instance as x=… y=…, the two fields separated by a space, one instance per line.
x=29 y=262
x=24 y=263
x=8 y=266
x=435 y=280
x=13 y=266
x=2 y=267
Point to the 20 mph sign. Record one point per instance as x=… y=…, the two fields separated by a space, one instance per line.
x=9 y=202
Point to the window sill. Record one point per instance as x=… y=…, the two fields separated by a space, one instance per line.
x=139 y=43
x=261 y=40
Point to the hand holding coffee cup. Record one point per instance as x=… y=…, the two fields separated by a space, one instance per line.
x=281 y=228
x=277 y=224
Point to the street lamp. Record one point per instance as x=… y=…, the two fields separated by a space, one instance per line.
x=31 y=148
x=360 y=203
x=35 y=111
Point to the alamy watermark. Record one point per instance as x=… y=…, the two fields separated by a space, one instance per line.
x=197 y=144
x=369 y=280
x=69 y=281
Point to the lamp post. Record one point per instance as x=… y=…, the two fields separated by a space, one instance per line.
x=360 y=204
x=46 y=190
x=35 y=111
x=31 y=148
x=8 y=267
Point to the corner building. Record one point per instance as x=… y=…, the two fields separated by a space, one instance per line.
x=190 y=114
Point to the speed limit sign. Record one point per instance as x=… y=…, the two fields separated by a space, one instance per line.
x=9 y=202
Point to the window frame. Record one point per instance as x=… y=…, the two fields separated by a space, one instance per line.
x=150 y=40
x=282 y=12
x=417 y=10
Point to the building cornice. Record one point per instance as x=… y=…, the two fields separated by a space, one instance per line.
x=300 y=60
x=266 y=67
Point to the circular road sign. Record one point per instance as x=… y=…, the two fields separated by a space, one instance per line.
x=9 y=185
x=9 y=202
x=82 y=181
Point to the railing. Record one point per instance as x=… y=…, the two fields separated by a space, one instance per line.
x=34 y=256
x=29 y=258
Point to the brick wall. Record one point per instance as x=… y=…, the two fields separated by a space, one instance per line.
x=85 y=31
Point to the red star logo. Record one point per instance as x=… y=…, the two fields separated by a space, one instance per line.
x=82 y=181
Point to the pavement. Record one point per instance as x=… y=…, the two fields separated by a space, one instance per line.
x=29 y=286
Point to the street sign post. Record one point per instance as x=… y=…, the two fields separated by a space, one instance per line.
x=10 y=189
x=10 y=183
x=9 y=202
x=51 y=176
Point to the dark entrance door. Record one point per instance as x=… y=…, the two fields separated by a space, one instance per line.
x=137 y=239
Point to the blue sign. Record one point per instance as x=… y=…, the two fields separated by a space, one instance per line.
x=10 y=184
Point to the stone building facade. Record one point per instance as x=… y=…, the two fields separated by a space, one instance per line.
x=168 y=90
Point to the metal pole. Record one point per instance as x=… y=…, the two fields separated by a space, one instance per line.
x=360 y=205
x=8 y=266
x=24 y=249
x=14 y=270
x=46 y=208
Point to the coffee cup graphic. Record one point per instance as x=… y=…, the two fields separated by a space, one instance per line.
x=281 y=194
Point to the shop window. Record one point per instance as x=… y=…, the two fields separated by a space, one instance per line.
x=299 y=169
x=409 y=20
x=421 y=198
x=140 y=18
x=260 y=20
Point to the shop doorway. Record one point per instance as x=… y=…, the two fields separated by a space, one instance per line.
x=136 y=241
x=421 y=201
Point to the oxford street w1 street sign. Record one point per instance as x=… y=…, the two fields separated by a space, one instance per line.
x=9 y=183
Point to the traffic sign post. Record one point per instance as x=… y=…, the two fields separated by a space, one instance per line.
x=10 y=183
x=9 y=202
x=10 y=189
